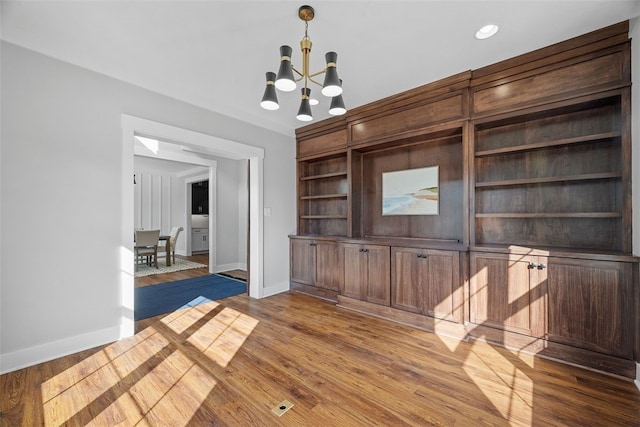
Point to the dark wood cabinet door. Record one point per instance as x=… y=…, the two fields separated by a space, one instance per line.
x=355 y=271
x=408 y=272
x=443 y=294
x=505 y=293
x=329 y=265
x=427 y=281
x=303 y=261
x=378 y=285
x=591 y=304
x=367 y=273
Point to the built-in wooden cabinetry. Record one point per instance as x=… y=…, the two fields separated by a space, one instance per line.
x=531 y=246
x=427 y=281
x=366 y=273
x=317 y=264
x=544 y=178
x=323 y=196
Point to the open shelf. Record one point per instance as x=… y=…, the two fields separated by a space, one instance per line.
x=554 y=177
x=324 y=176
x=323 y=199
x=551 y=215
x=325 y=196
x=545 y=144
x=323 y=217
x=550 y=179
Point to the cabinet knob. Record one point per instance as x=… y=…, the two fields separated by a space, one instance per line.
x=313 y=244
x=364 y=250
x=533 y=265
x=542 y=266
x=421 y=256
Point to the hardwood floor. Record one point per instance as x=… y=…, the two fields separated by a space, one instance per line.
x=230 y=362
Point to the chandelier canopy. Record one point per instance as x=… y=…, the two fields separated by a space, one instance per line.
x=285 y=80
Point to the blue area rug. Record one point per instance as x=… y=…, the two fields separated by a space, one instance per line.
x=167 y=297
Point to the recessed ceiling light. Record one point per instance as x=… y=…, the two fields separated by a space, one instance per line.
x=486 y=31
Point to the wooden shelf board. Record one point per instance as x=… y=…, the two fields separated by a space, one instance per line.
x=545 y=144
x=549 y=179
x=325 y=196
x=323 y=176
x=323 y=217
x=551 y=215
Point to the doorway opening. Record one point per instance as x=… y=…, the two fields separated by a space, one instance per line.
x=183 y=145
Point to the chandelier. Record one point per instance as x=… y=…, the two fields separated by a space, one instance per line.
x=286 y=80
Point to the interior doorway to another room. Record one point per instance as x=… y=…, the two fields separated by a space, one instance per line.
x=195 y=147
x=171 y=194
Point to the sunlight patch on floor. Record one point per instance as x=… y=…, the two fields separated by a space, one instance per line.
x=222 y=336
x=147 y=379
x=181 y=320
x=509 y=390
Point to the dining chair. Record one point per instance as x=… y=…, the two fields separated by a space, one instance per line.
x=146 y=246
x=173 y=238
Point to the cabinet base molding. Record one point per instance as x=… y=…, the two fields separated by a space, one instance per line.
x=314 y=291
x=574 y=356
x=585 y=359
x=418 y=321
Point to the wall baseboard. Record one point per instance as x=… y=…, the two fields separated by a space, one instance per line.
x=275 y=289
x=52 y=350
x=231 y=266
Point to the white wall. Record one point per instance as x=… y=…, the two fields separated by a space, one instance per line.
x=61 y=123
x=155 y=194
x=229 y=218
x=243 y=208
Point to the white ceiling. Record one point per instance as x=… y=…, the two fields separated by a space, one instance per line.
x=214 y=53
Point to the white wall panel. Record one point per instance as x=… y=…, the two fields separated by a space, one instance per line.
x=154 y=201
x=62 y=123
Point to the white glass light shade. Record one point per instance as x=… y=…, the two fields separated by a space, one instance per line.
x=286 y=85
x=269 y=105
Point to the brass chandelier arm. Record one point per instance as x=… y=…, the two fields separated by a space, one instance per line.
x=313 y=81
x=309 y=77
x=318 y=73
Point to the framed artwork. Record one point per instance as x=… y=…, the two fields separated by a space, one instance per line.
x=410 y=192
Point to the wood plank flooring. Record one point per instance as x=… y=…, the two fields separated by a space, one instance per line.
x=230 y=362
